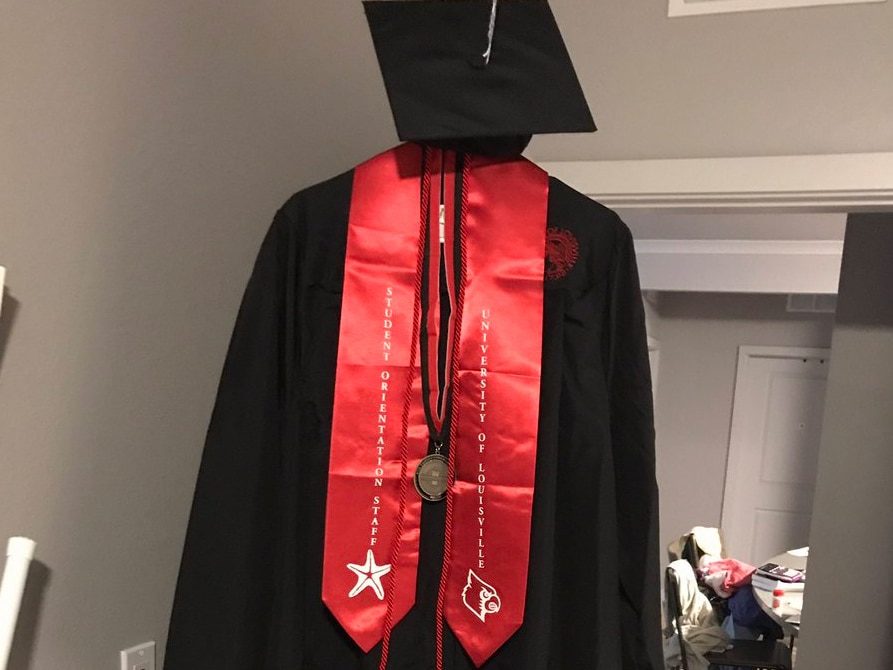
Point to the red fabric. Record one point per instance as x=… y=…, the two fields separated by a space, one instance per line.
x=379 y=432
x=378 y=437
x=735 y=573
x=496 y=407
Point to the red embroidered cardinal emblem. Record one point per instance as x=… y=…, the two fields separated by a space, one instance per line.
x=562 y=251
x=480 y=597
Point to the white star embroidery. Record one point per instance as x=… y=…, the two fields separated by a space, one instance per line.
x=368 y=575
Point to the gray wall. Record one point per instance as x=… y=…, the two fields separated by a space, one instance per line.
x=787 y=82
x=145 y=146
x=699 y=338
x=848 y=611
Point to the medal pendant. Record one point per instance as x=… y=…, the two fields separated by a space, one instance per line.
x=431 y=477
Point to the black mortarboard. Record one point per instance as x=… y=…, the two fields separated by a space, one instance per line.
x=441 y=85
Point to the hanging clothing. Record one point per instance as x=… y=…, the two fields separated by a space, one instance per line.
x=250 y=591
x=701 y=631
x=698 y=542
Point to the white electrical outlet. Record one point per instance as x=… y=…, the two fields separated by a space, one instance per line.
x=140 y=657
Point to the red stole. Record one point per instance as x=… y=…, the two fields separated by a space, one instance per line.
x=495 y=242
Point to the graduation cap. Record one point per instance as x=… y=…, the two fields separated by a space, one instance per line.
x=466 y=69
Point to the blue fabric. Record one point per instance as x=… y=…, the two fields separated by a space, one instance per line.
x=746 y=611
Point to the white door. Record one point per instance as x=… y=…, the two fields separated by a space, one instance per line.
x=773 y=450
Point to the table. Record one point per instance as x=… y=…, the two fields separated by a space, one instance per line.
x=788 y=615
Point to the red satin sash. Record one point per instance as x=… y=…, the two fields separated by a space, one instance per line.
x=380 y=432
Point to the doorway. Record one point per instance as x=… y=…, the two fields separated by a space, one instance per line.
x=730 y=191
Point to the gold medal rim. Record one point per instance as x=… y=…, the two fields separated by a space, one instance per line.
x=416 y=482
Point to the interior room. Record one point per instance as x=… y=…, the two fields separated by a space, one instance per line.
x=147 y=147
x=699 y=338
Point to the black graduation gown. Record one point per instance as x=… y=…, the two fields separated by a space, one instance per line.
x=249 y=590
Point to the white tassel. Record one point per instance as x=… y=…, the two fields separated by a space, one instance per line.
x=490 y=31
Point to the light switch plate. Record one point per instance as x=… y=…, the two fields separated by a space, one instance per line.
x=140 y=657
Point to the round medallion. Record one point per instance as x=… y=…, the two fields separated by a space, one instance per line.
x=431 y=477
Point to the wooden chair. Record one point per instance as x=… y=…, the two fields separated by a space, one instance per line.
x=758 y=654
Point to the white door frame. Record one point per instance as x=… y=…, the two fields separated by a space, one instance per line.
x=737 y=452
x=783 y=184
x=654 y=364
x=770 y=184
x=822 y=183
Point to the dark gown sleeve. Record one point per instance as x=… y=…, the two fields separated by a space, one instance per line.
x=632 y=432
x=221 y=615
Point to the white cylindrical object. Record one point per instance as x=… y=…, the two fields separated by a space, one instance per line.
x=19 y=553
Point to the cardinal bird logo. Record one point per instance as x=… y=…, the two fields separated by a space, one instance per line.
x=480 y=597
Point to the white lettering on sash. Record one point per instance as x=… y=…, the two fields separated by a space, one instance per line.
x=381 y=412
x=388 y=324
x=482 y=440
